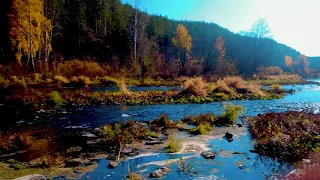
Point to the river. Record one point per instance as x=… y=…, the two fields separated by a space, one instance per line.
x=253 y=166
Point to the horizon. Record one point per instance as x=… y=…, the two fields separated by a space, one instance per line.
x=296 y=14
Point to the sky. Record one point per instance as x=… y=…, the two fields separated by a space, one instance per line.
x=295 y=23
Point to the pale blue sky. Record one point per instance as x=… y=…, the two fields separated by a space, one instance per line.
x=295 y=23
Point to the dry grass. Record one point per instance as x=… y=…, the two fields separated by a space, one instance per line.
x=234 y=81
x=284 y=77
x=78 y=68
x=195 y=86
x=255 y=89
x=61 y=79
x=222 y=87
x=9 y=141
x=19 y=82
x=123 y=88
x=81 y=81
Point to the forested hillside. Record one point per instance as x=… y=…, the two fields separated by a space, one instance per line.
x=107 y=31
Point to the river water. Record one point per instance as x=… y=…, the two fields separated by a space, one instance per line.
x=253 y=166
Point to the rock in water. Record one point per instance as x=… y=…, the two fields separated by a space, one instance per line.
x=208 y=155
x=159 y=172
x=229 y=136
x=112 y=164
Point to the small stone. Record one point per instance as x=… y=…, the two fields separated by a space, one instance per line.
x=112 y=164
x=208 y=155
x=159 y=172
x=239 y=125
x=153 y=142
x=229 y=136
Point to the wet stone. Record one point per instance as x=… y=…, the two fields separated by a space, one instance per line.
x=159 y=172
x=128 y=151
x=112 y=164
x=72 y=163
x=208 y=155
x=229 y=136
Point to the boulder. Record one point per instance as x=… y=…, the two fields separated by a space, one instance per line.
x=112 y=164
x=208 y=155
x=229 y=136
x=159 y=172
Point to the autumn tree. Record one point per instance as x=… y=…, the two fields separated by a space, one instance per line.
x=288 y=62
x=259 y=32
x=25 y=28
x=183 y=41
x=222 y=65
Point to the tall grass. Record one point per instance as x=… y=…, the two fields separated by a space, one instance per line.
x=234 y=81
x=173 y=145
x=56 y=99
x=78 y=68
x=230 y=113
x=195 y=86
x=123 y=88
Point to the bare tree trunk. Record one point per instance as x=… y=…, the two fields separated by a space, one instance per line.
x=135 y=30
x=31 y=53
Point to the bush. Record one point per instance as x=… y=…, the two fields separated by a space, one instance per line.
x=153 y=134
x=61 y=79
x=199 y=119
x=234 y=81
x=80 y=81
x=123 y=88
x=222 y=87
x=195 y=86
x=107 y=80
x=230 y=114
x=270 y=70
x=4 y=82
x=173 y=145
x=276 y=88
x=19 y=82
x=163 y=121
x=201 y=129
x=78 y=68
x=56 y=98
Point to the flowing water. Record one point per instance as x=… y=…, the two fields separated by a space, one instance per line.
x=246 y=165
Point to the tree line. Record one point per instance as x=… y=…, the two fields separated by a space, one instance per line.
x=127 y=39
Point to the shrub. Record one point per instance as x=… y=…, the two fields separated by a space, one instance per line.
x=163 y=121
x=270 y=70
x=123 y=88
x=107 y=80
x=37 y=77
x=134 y=176
x=222 y=87
x=199 y=119
x=78 y=68
x=195 y=86
x=153 y=134
x=234 y=81
x=96 y=96
x=255 y=89
x=56 y=98
x=4 y=82
x=173 y=145
x=61 y=79
x=20 y=82
x=201 y=129
x=230 y=114
x=80 y=81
